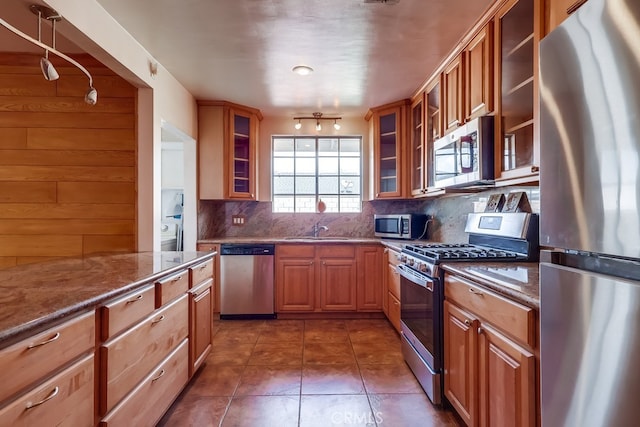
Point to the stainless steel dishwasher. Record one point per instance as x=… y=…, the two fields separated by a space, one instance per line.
x=246 y=280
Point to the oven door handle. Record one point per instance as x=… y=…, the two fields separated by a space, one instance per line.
x=415 y=277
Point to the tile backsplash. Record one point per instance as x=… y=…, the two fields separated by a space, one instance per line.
x=449 y=217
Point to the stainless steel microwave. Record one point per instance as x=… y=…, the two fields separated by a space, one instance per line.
x=464 y=157
x=401 y=226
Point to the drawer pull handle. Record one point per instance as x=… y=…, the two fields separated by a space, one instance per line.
x=473 y=291
x=202 y=267
x=159 y=319
x=51 y=395
x=467 y=322
x=177 y=279
x=158 y=377
x=52 y=339
x=131 y=301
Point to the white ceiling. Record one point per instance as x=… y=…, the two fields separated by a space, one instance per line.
x=243 y=50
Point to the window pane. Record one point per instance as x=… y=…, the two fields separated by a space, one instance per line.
x=305 y=166
x=331 y=202
x=328 y=185
x=305 y=147
x=328 y=166
x=283 y=166
x=350 y=204
x=350 y=147
x=350 y=185
x=306 y=204
x=305 y=185
x=282 y=204
x=327 y=147
x=283 y=185
x=350 y=165
x=283 y=147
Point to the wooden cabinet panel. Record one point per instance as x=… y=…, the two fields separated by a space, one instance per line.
x=370 y=277
x=507 y=381
x=29 y=360
x=126 y=359
x=453 y=81
x=394 y=281
x=65 y=400
x=460 y=361
x=146 y=404
x=338 y=284
x=417 y=163
x=125 y=311
x=171 y=287
x=215 y=293
x=295 y=284
x=556 y=11
x=200 y=325
x=479 y=74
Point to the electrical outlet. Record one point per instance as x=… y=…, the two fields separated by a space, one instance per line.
x=237 y=219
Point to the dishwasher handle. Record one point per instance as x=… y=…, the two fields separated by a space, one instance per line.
x=247 y=249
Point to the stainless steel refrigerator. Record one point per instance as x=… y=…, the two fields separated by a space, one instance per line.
x=590 y=210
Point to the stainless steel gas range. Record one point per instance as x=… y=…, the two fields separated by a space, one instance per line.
x=493 y=237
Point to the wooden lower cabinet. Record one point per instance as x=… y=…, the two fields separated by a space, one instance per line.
x=200 y=324
x=67 y=399
x=489 y=367
x=146 y=404
x=328 y=278
x=392 y=288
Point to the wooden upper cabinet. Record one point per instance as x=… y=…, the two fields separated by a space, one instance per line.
x=478 y=62
x=517 y=31
x=227 y=146
x=418 y=151
x=557 y=11
x=453 y=84
x=389 y=127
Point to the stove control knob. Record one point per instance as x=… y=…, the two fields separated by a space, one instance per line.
x=402 y=258
x=410 y=261
x=422 y=267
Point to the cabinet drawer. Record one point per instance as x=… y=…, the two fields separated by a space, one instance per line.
x=201 y=272
x=171 y=288
x=394 y=281
x=29 y=360
x=153 y=396
x=513 y=318
x=295 y=251
x=393 y=257
x=336 y=251
x=126 y=359
x=122 y=312
x=394 y=311
x=64 y=400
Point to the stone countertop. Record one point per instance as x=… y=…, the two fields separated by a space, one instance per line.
x=518 y=281
x=296 y=239
x=35 y=296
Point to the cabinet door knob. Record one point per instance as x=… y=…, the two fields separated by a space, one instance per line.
x=386 y=250
x=310 y=262
x=473 y=291
x=51 y=395
x=52 y=339
x=253 y=196
x=467 y=322
x=480 y=330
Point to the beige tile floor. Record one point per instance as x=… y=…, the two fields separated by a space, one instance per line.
x=307 y=373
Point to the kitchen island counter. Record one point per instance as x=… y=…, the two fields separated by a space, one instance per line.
x=518 y=281
x=36 y=296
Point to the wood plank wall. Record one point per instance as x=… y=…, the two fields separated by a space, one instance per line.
x=67 y=169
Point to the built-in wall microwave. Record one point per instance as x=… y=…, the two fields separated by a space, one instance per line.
x=464 y=157
x=401 y=226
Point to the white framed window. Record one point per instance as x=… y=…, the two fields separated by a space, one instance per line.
x=307 y=169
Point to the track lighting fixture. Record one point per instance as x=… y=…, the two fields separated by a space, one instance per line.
x=317 y=117
x=48 y=70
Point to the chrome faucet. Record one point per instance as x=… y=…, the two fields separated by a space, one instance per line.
x=317 y=227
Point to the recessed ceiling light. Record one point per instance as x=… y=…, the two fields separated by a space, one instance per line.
x=302 y=70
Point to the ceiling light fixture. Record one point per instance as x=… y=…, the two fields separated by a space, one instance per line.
x=48 y=70
x=303 y=70
x=317 y=117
